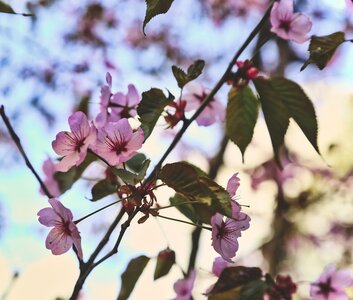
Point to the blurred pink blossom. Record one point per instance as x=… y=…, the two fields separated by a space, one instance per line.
x=287 y=24
x=194 y=95
x=117 y=142
x=65 y=233
x=331 y=284
x=183 y=287
x=49 y=181
x=219 y=264
x=73 y=145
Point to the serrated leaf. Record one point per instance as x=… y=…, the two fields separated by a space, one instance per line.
x=241 y=116
x=165 y=261
x=67 y=179
x=154 y=8
x=299 y=107
x=5 y=8
x=150 y=108
x=130 y=276
x=102 y=189
x=194 y=184
x=193 y=72
x=135 y=163
x=234 y=277
x=322 y=48
x=130 y=177
x=275 y=113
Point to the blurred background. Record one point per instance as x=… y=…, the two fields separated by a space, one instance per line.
x=55 y=62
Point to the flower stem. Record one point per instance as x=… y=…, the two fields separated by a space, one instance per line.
x=98 y=210
x=185 y=222
x=174 y=205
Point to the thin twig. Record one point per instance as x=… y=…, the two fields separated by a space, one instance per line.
x=17 y=141
x=185 y=222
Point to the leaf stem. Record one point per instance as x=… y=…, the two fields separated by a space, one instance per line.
x=174 y=205
x=185 y=222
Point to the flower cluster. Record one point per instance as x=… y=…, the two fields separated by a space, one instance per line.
x=246 y=72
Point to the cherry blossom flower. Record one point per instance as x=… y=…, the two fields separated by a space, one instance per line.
x=195 y=94
x=287 y=24
x=225 y=231
x=183 y=287
x=124 y=106
x=114 y=107
x=117 y=142
x=65 y=233
x=233 y=184
x=73 y=145
x=49 y=181
x=331 y=284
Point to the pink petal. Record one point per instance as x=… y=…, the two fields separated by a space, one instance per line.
x=101 y=119
x=109 y=79
x=300 y=27
x=67 y=162
x=64 y=143
x=61 y=210
x=79 y=124
x=133 y=95
x=233 y=185
x=219 y=264
x=120 y=98
x=137 y=140
x=76 y=238
x=48 y=217
x=58 y=242
x=104 y=97
x=122 y=129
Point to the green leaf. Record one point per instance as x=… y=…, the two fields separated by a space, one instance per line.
x=281 y=99
x=131 y=275
x=188 y=210
x=5 y=8
x=194 y=185
x=150 y=108
x=136 y=163
x=130 y=177
x=275 y=113
x=299 y=107
x=241 y=116
x=322 y=48
x=254 y=290
x=165 y=261
x=234 y=277
x=67 y=179
x=154 y=8
x=194 y=71
x=102 y=189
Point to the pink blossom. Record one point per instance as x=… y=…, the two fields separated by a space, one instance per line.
x=114 y=107
x=219 y=264
x=183 y=287
x=117 y=142
x=49 y=181
x=287 y=24
x=225 y=231
x=233 y=184
x=65 y=233
x=331 y=284
x=124 y=106
x=195 y=94
x=73 y=145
